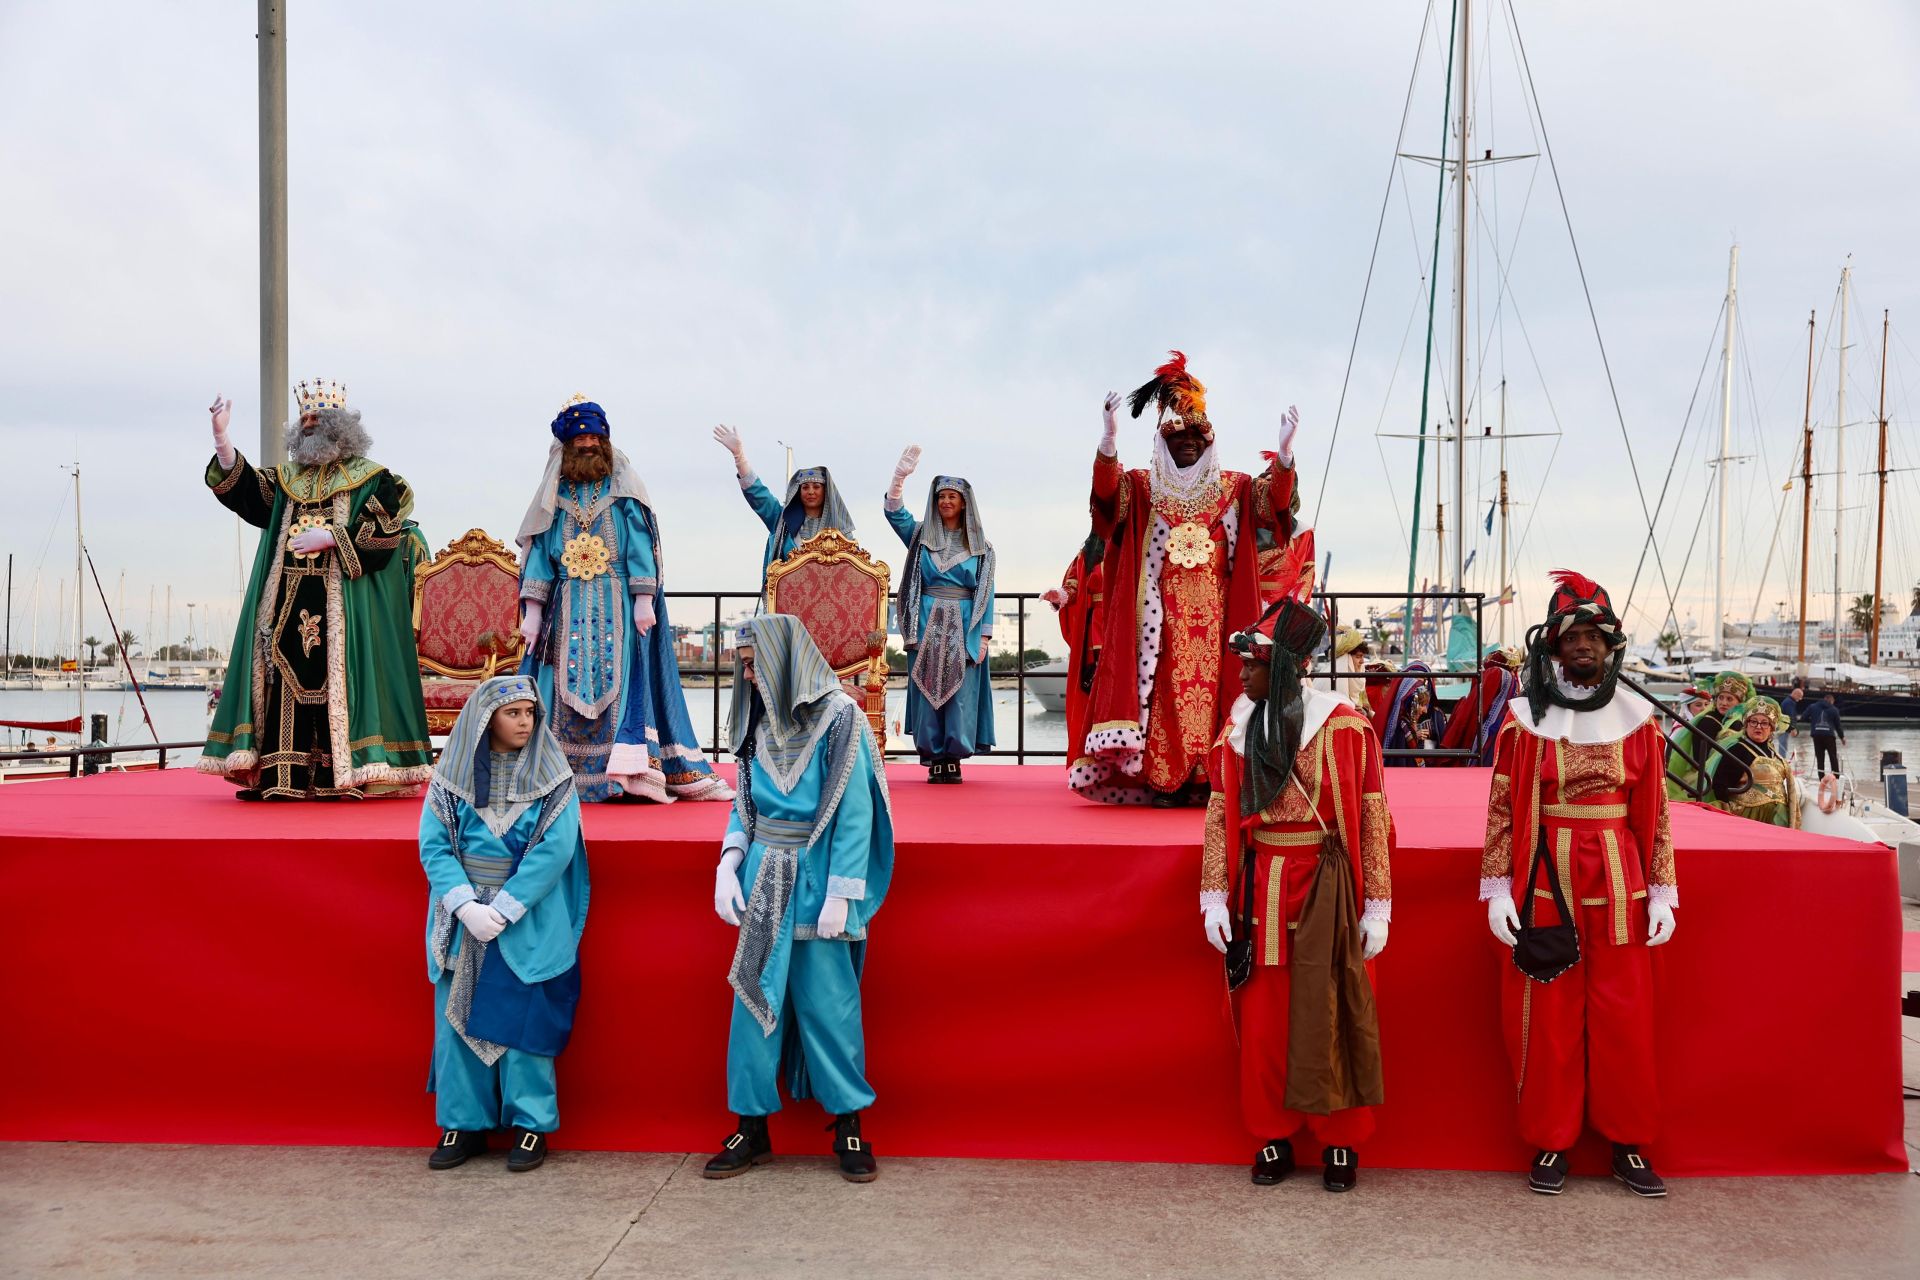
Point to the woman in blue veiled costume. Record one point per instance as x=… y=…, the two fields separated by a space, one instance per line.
x=804 y=866
x=594 y=618
x=812 y=503
x=500 y=842
x=945 y=613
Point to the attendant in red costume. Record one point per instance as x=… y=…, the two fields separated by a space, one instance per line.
x=1578 y=818
x=1298 y=841
x=1475 y=726
x=1080 y=600
x=1183 y=576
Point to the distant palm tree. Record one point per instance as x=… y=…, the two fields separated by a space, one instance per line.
x=1860 y=612
x=92 y=643
x=127 y=641
x=1667 y=642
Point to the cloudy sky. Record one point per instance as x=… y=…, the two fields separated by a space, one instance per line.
x=850 y=226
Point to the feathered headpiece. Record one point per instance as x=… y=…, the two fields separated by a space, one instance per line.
x=1577 y=599
x=1180 y=397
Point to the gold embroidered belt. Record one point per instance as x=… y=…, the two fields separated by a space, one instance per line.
x=1598 y=812
x=1290 y=839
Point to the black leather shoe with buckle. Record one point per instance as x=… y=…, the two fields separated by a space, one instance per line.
x=1272 y=1163
x=856 y=1157
x=1548 y=1175
x=747 y=1146
x=456 y=1147
x=1633 y=1170
x=1342 y=1168
x=528 y=1152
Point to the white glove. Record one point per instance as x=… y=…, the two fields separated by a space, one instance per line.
x=643 y=614
x=1288 y=426
x=909 y=459
x=1503 y=918
x=1660 y=924
x=222 y=410
x=310 y=541
x=1055 y=596
x=1373 y=934
x=1218 y=928
x=735 y=445
x=728 y=902
x=532 y=612
x=1110 y=436
x=833 y=918
x=482 y=921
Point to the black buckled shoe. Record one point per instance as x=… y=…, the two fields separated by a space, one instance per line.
x=856 y=1157
x=1633 y=1170
x=456 y=1147
x=1548 y=1175
x=953 y=772
x=1342 y=1168
x=529 y=1151
x=747 y=1146
x=1272 y=1163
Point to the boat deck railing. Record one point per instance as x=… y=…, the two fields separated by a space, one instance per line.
x=94 y=757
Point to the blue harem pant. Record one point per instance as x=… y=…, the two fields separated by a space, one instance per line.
x=823 y=1008
x=520 y=1089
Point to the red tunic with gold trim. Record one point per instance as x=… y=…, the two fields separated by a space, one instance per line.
x=1182 y=578
x=1080 y=622
x=1340 y=791
x=1588 y=787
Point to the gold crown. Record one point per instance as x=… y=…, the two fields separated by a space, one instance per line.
x=579 y=397
x=320 y=393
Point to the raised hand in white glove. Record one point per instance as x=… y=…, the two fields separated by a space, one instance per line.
x=1373 y=937
x=1289 y=426
x=1055 y=596
x=643 y=614
x=833 y=918
x=909 y=459
x=532 y=611
x=1660 y=924
x=1503 y=918
x=1219 y=929
x=222 y=411
x=735 y=444
x=312 y=541
x=727 y=900
x=482 y=921
x=1110 y=425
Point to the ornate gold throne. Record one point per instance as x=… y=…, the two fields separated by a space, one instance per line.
x=839 y=593
x=466 y=622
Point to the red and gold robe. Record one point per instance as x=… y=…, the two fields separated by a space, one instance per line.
x=1589 y=788
x=1181 y=582
x=1080 y=626
x=1340 y=792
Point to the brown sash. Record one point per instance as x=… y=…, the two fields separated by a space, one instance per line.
x=1333 y=1030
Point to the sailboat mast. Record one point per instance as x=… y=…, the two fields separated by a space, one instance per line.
x=1806 y=502
x=1501 y=584
x=1719 y=647
x=1840 y=469
x=1880 y=521
x=79 y=607
x=1460 y=313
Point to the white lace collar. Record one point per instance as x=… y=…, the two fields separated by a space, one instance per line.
x=1320 y=706
x=1624 y=713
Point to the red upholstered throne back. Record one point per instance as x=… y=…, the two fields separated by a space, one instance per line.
x=837 y=603
x=469 y=613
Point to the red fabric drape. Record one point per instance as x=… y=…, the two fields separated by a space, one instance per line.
x=44 y=726
x=212 y=1021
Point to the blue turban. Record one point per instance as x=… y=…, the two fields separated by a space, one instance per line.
x=583 y=419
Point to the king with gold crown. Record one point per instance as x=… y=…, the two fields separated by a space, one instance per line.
x=322 y=697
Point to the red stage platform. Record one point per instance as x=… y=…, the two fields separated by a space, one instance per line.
x=1037 y=985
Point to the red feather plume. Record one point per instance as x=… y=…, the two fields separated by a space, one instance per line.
x=1578 y=585
x=1174 y=368
x=1296 y=568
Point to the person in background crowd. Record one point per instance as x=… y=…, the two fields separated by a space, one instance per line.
x=1791 y=706
x=1829 y=735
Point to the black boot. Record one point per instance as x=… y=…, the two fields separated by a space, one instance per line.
x=1164 y=800
x=1273 y=1163
x=1342 y=1168
x=456 y=1147
x=746 y=1147
x=529 y=1151
x=1632 y=1169
x=1548 y=1175
x=856 y=1157
x=953 y=772
x=937 y=771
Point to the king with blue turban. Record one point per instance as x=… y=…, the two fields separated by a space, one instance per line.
x=595 y=622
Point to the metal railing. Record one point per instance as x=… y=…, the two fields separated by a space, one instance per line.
x=1328 y=602
x=93 y=757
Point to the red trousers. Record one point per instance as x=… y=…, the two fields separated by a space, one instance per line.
x=1582 y=1045
x=1262 y=1008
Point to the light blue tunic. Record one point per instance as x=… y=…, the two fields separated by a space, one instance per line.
x=965 y=724
x=814 y=983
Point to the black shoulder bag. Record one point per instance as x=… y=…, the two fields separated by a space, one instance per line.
x=1240 y=949
x=1544 y=952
